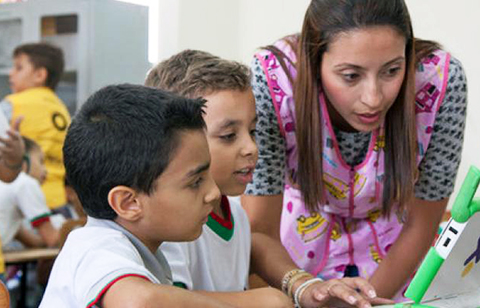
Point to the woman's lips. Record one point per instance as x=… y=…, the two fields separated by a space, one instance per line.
x=369 y=118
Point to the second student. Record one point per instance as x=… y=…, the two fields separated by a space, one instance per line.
x=219 y=261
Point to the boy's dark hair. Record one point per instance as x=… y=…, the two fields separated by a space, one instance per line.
x=30 y=145
x=47 y=56
x=194 y=73
x=125 y=135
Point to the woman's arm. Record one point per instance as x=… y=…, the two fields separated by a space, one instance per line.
x=263 y=197
x=410 y=247
x=264 y=213
x=438 y=171
x=271 y=261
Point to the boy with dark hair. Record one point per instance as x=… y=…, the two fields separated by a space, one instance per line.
x=219 y=261
x=36 y=71
x=138 y=159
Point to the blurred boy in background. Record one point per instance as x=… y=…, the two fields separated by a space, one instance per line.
x=35 y=74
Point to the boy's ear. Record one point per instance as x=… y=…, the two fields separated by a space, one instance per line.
x=124 y=202
x=41 y=75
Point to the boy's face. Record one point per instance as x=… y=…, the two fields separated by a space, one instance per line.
x=184 y=193
x=231 y=119
x=24 y=75
x=37 y=165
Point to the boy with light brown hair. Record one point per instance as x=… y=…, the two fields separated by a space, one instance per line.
x=218 y=263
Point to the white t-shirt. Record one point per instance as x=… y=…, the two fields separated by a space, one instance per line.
x=93 y=258
x=219 y=260
x=23 y=198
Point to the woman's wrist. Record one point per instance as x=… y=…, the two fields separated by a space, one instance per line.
x=292 y=279
x=301 y=290
x=297 y=284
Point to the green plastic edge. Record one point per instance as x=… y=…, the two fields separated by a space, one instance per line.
x=424 y=276
x=465 y=205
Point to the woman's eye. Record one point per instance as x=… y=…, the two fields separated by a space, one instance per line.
x=392 y=71
x=350 y=77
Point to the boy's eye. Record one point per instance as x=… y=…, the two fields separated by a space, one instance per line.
x=197 y=183
x=253 y=132
x=228 y=137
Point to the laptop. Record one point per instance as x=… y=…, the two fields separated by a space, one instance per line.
x=449 y=276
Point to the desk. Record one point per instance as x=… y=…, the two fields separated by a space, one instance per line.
x=23 y=258
x=29 y=255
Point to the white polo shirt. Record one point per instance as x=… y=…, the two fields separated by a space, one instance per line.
x=94 y=258
x=23 y=198
x=219 y=260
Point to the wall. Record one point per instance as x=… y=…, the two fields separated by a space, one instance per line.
x=210 y=25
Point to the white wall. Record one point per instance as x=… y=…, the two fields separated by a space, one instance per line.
x=210 y=25
x=264 y=21
x=233 y=29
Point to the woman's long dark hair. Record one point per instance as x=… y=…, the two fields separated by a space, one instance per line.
x=323 y=20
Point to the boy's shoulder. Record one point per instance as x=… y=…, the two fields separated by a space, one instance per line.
x=93 y=238
x=33 y=96
x=93 y=256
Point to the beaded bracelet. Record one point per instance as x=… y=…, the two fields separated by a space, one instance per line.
x=288 y=276
x=294 y=279
x=301 y=289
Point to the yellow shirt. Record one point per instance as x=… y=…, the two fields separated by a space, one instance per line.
x=45 y=121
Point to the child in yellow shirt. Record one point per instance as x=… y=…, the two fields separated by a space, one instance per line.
x=35 y=74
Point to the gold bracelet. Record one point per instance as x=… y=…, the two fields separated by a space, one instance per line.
x=286 y=278
x=295 y=279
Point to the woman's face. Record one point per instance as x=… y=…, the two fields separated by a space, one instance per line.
x=362 y=72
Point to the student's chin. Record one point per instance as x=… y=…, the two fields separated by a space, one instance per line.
x=195 y=235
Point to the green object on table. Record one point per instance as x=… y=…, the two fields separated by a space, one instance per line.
x=411 y=306
x=465 y=205
x=424 y=276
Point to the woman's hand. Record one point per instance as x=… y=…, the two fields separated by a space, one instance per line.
x=346 y=292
